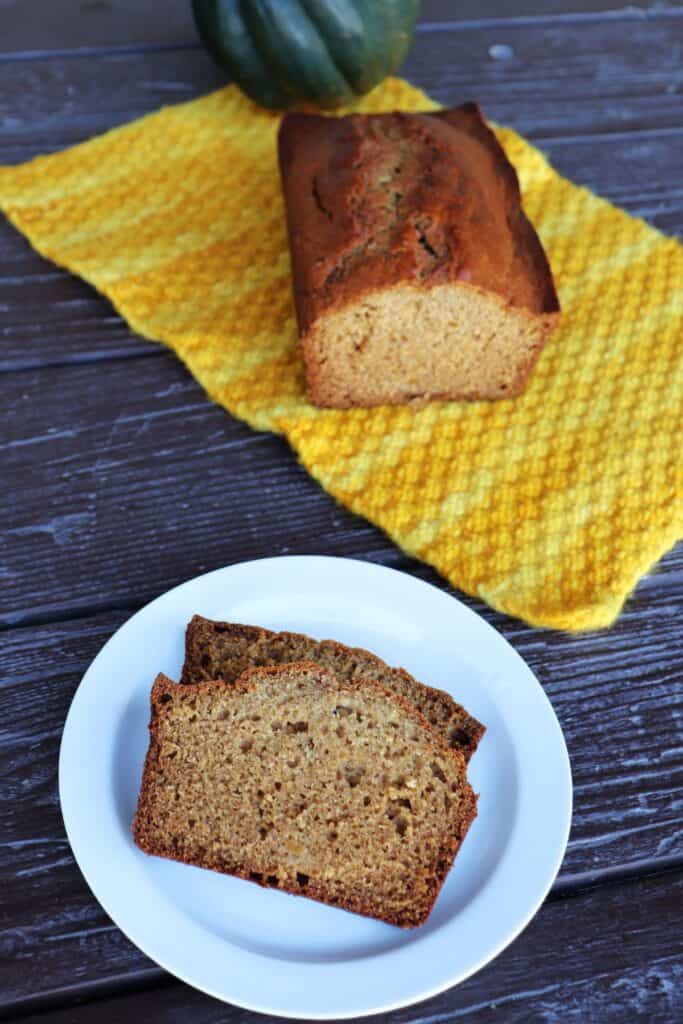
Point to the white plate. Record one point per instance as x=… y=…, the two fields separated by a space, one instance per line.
x=280 y=954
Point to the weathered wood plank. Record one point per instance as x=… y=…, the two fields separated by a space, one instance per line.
x=54 y=934
x=615 y=695
x=609 y=955
x=200 y=489
x=72 y=24
x=50 y=318
x=544 y=77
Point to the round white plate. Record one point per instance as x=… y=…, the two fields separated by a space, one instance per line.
x=280 y=954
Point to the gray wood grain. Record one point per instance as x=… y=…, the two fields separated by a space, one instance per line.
x=71 y=24
x=547 y=77
x=615 y=696
x=50 y=318
x=199 y=488
x=607 y=956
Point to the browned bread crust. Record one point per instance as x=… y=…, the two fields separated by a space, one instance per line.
x=405 y=204
x=223 y=650
x=369 y=820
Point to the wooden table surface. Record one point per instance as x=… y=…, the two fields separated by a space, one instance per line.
x=120 y=480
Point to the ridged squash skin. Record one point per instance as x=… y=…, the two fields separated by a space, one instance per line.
x=299 y=53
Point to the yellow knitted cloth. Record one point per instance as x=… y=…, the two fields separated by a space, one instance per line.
x=548 y=507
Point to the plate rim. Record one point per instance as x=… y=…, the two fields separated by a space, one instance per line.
x=336 y=1010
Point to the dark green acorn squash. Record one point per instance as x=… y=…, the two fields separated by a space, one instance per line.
x=285 y=53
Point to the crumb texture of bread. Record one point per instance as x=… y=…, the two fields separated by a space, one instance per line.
x=298 y=781
x=416 y=273
x=224 y=650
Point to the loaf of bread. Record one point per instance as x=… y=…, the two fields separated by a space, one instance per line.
x=416 y=273
x=297 y=780
x=223 y=650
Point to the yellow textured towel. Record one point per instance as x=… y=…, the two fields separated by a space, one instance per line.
x=548 y=507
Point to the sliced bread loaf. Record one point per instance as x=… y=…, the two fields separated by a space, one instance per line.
x=223 y=650
x=295 y=779
x=416 y=274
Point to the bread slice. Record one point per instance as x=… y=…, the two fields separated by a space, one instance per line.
x=416 y=273
x=297 y=780
x=223 y=650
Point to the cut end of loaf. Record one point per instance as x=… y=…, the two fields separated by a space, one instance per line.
x=296 y=781
x=406 y=344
